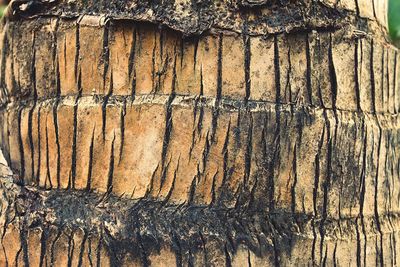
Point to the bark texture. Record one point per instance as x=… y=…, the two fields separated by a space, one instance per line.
x=196 y=133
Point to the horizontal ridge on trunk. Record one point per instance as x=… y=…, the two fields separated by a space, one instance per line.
x=343 y=69
x=195 y=18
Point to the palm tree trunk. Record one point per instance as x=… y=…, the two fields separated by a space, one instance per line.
x=191 y=133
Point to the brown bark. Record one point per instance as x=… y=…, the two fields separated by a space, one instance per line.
x=199 y=133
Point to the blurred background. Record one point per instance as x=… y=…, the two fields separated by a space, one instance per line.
x=394 y=18
x=3 y=4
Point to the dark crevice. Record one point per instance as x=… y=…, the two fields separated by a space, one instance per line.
x=90 y=164
x=111 y=167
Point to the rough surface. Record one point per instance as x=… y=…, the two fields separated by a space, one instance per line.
x=196 y=17
x=255 y=132
x=79 y=228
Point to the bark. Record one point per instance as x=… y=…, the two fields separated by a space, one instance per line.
x=199 y=133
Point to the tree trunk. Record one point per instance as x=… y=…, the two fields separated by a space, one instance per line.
x=191 y=133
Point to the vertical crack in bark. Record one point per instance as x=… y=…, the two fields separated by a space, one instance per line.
x=214 y=189
x=225 y=154
x=389 y=100
x=196 y=48
x=56 y=132
x=4 y=53
x=106 y=56
x=90 y=164
x=78 y=77
x=288 y=87
x=71 y=182
x=248 y=152
x=276 y=139
x=192 y=190
x=24 y=243
x=374 y=9
x=131 y=66
x=376 y=205
x=171 y=189
x=39 y=146
x=111 y=167
x=43 y=246
x=277 y=71
x=21 y=147
x=30 y=138
x=363 y=187
x=70 y=249
x=106 y=59
x=58 y=96
x=372 y=77
x=215 y=110
x=122 y=130
x=168 y=127
x=77 y=52
x=293 y=188
x=309 y=70
x=319 y=55
x=30 y=114
x=48 y=175
x=356 y=74
x=81 y=253
x=247 y=60
x=326 y=183
x=332 y=73
x=276 y=253
x=248 y=163
x=53 y=245
x=228 y=259
x=154 y=88
x=18 y=254
x=357 y=7
x=90 y=251
x=98 y=251
x=162 y=64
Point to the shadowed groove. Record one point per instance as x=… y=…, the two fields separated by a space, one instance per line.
x=111 y=167
x=376 y=212
x=39 y=146
x=168 y=127
x=21 y=148
x=90 y=164
x=356 y=75
x=43 y=246
x=81 y=253
x=74 y=138
x=332 y=73
x=308 y=70
x=48 y=176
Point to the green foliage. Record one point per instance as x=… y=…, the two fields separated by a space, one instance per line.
x=394 y=19
x=2 y=8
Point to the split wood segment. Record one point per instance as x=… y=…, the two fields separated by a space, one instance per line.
x=291 y=127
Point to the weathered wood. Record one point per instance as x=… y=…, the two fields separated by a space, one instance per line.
x=231 y=132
